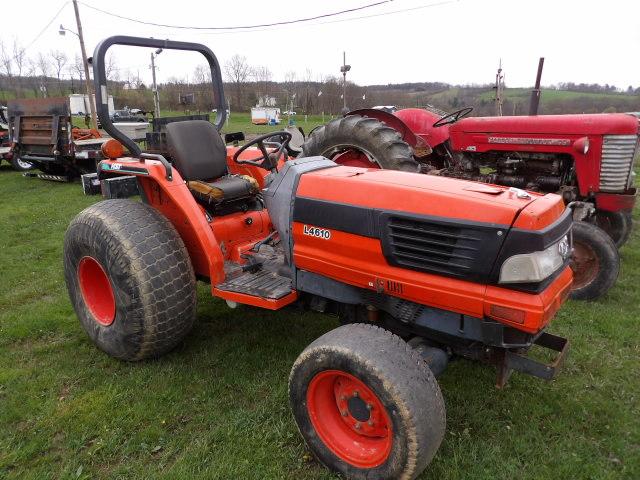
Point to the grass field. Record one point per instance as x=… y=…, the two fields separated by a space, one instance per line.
x=550 y=95
x=241 y=122
x=217 y=406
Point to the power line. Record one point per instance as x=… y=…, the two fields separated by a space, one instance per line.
x=37 y=37
x=240 y=27
x=46 y=26
x=350 y=19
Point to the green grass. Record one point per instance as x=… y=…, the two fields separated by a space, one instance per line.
x=552 y=95
x=241 y=122
x=217 y=406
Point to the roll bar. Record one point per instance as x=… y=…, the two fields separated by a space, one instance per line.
x=100 y=80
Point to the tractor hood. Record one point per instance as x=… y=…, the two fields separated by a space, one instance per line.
x=593 y=124
x=428 y=195
x=366 y=226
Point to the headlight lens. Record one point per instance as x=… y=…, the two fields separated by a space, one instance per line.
x=536 y=266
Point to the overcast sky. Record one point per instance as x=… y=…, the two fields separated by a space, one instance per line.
x=457 y=41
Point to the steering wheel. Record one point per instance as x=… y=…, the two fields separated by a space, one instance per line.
x=266 y=160
x=453 y=117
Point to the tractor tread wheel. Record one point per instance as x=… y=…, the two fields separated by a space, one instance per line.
x=149 y=270
x=396 y=373
x=384 y=143
x=606 y=259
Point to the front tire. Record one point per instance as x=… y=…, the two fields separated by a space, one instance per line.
x=130 y=279
x=367 y=404
x=595 y=262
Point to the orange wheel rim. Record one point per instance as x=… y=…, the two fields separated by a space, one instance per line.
x=96 y=291
x=349 y=418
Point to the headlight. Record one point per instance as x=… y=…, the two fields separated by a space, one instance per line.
x=536 y=266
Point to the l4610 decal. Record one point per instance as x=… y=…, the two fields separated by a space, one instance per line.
x=317 y=232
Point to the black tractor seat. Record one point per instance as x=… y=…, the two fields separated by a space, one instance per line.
x=200 y=155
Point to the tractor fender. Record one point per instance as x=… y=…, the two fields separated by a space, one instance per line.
x=173 y=199
x=419 y=145
x=420 y=122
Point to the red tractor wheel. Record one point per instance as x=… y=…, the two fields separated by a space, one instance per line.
x=361 y=142
x=364 y=413
x=130 y=279
x=595 y=262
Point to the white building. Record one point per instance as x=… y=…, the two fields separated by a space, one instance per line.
x=79 y=104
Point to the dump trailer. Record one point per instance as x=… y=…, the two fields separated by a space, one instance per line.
x=42 y=134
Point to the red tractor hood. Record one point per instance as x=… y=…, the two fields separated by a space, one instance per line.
x=592 y=124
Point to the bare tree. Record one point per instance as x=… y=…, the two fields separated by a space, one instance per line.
x=43 y=65
x=289 y=89
x=262 y=76
x=59 y=60
x=111 y=68
x=19 y=60
x=31 y=73
x=6 y=62
x=238 y=71
x=308 y=95
x=201 y=75
x=202 y=84
x=78 y=67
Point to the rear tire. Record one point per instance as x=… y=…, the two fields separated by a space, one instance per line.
x=130 y=279
x=367 y=404
x=379 y=142
x=20 y=165
x=595 y=262
x=617 y=225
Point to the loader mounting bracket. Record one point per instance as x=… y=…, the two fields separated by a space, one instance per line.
x=511 y=360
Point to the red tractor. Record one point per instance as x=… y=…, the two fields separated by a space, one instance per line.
x=587 y=159
x=418 y=268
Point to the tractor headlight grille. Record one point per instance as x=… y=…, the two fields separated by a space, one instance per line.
x=453 y=248
x=618 y=152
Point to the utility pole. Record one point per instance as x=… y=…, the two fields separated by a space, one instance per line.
x=344 y=69
x=499 y=89
x=156 y=94
x=535 y=93
x=87 y=79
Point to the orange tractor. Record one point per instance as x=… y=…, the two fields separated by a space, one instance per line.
x=418 y=269
x=587 y=159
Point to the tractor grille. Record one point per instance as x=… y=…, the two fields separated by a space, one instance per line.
x=618 y=152
x=433 y=247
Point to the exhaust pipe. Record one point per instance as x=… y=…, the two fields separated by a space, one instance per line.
x=535 y=93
